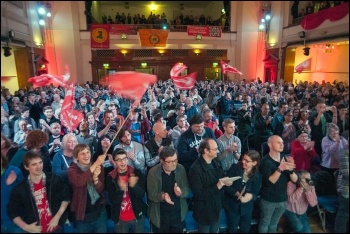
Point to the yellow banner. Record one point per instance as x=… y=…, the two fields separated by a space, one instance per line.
x=153 y=37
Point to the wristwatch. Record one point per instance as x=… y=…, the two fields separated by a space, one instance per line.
x=279 y=170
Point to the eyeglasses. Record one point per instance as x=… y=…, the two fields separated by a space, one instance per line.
x=121 y=159
x=247 y=161
x=172 y=162
x=289 y=115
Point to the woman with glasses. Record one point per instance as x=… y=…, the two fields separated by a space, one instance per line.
x=287 y=131
x=126 y=188
x=239 y=198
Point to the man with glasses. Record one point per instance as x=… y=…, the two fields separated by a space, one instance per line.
x=126 y=188
x=205 y=181
x=189 y=141
x=167 y=189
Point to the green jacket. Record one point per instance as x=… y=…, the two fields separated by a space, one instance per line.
x=154 y=191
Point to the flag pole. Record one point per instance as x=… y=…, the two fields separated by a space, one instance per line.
x=115 y=135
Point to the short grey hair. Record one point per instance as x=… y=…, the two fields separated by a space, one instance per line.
x=332 y=126
x=65 y=139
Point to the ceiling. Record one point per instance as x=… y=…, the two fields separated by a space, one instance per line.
x=192 y=4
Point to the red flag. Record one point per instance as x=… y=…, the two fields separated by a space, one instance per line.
x=177 y=69
x=68 y=102
x=47 y=79
x=185 y=82
x=131 y=84
x=70 y=118
x=227 y=68
x=306 y=65
x=6 y=78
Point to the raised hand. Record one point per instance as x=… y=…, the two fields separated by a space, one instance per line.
x=177 y=190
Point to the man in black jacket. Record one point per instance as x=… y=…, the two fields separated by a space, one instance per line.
x=189 y=141
x=39 y=204
x=205 y=178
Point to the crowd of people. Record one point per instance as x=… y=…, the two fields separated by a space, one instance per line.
x=159 y=19
x=177 y=150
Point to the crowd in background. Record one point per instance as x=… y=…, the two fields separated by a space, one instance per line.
x=159 y=19
x=228 y=125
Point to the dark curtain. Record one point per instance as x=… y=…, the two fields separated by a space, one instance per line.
x=227 y=8
x=88 y=5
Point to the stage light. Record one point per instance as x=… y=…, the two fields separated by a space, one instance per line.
x=7 y=51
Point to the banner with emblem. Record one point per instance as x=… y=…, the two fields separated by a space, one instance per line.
x=99 y=35
x=205 y=31
x=153 y=37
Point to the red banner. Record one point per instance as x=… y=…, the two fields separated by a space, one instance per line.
x=205 y=31
x=123 y=29
x=332 y=14
x=99 y=35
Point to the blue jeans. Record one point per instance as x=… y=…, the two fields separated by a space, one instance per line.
x=214 y=228
x=135 y=226
x=98 y=226
x=342 y=218
x=270 y=214
x=298 y=223
x=11 y=228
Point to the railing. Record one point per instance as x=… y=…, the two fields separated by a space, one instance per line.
x=172 y=28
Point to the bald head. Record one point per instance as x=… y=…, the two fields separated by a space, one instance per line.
x=158 y=127
x=159 y=130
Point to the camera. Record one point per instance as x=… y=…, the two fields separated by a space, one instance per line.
x=137 y=110
x=310 y=182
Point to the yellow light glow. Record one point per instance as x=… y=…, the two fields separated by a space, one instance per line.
x=161 y=51
x=197 y=51
x=124 y=52
x=153 y=7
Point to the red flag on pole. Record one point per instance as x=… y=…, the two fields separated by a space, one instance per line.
x=227 y=68
x=182 y=82
x=70 y=118
x=185 y=82
x=306 y=65
x=177 y=69
x=47 y=79
x=131 y=84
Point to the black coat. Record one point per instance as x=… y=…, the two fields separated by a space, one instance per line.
x=22 y=203
x=206 y=195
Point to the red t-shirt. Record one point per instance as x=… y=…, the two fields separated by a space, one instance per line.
x=43 y=206
x=126 y=211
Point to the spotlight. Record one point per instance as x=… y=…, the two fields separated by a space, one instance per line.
x=306 y=51
x=7 y=51
x=41 y=10
x=48 y=14
x=42 y=22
